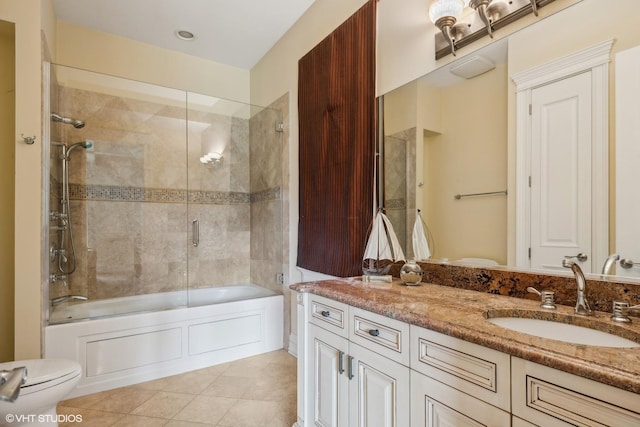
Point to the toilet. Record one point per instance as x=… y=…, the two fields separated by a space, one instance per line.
x=48 y=382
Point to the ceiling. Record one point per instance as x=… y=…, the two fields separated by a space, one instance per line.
x=232 y=32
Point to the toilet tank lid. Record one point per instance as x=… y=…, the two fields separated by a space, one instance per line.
x=43 y=370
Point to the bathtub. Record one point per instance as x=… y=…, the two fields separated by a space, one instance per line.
x=165 y=336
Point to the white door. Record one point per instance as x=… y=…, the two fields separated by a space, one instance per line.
x=561 y=172
x=628 y=159
x=330 y=393
x=378 y=390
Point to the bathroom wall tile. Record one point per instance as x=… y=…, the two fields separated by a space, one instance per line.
x=129 y=194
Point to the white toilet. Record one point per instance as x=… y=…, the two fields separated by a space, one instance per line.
x=48 y=382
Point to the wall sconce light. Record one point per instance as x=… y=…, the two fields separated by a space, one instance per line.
x=211 y=159
x=489 y=16
x=444 y=14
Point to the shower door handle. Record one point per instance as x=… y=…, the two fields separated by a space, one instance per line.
x=195 y=232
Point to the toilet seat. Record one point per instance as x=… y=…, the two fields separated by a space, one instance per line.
x=44 y=373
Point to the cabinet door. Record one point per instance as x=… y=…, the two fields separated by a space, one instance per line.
x=329 y=385
x=378 y=390
x=434 y=404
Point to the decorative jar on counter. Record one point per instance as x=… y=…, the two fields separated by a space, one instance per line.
x=411 y=273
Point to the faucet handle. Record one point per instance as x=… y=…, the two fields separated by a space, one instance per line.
x=582 y=257
x=621 y=311
x=547 y=298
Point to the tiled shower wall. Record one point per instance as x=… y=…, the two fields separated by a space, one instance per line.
x=136 y=192
x=400 y=185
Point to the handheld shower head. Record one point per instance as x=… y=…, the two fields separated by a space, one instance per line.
x=84 y=144
x=78 y=124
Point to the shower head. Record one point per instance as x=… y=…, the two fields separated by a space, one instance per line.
x=84 y=144
x=78 y=124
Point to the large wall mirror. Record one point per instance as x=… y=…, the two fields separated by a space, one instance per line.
x=454 y=132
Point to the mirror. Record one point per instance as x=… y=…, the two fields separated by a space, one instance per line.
x=462 y=131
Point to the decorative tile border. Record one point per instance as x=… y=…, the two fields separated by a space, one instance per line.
x=274 y=193
x=395 y=204
x=166 y=195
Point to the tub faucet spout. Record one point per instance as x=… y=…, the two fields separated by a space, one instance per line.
x=58 y=300
x=10 y=382
x=582 y=307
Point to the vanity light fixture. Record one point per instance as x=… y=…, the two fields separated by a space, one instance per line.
x=211 y=159
x=481 y=7
x=444 y=14
x=485 y=17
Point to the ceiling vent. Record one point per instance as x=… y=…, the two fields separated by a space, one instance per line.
x=472 y=67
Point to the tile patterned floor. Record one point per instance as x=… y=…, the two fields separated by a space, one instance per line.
x=259 y=391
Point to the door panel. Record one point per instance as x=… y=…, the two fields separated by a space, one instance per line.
x=628 y=159
x=561 y=172
x=378 y=391
x=330 y=387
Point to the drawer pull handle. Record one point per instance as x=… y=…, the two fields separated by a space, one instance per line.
x=325 y=313
x=341 y=362
x=350 y=366
x=374 y=332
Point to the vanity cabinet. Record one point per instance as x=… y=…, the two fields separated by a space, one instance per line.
x=362 y=369
x=548 y=397
x=350 y=385
x=457 y=383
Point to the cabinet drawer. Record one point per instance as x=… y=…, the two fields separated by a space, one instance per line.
x=328 y=314
x=386 y=336
x=436 y=404
x=549 y=397
x=479 y=371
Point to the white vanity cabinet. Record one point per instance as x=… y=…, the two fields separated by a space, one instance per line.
x=350 y=385
x=548 y=397
x=457 y=383
x=362 y=369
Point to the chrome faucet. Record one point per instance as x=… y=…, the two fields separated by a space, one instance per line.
x=582 y=307
x=10 y=382
x=611 y=259
x=56 y=301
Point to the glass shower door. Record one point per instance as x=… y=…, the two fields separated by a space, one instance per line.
x=118 y=197
x=235 y=196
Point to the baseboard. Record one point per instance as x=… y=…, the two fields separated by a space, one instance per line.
x=293 y=345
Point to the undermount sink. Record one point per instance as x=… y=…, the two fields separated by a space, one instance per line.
x=557 y=329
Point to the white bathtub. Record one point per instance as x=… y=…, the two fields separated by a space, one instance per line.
x=115 y=349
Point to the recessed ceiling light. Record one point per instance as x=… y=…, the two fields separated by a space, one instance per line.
x=184 y=35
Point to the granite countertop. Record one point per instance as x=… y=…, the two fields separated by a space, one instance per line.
x=462 y=314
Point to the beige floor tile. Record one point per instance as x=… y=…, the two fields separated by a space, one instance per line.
x=163 y=405
x=86 y=401
x=251 y=413
x=259 y=391
x=90 y=417
x=205 y=409
x=272 y=388
x=138 y=421
x=193 y=382
x=178 y=423
x=123 y=400
x=232 y=387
